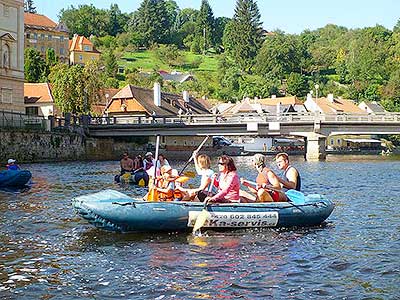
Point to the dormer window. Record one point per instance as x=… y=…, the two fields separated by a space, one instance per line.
x=86 y=48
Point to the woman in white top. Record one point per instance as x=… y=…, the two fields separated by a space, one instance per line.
x=202 y=164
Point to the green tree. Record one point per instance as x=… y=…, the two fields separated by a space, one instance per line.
x=34 y=66
x=279 y=56
x=205 y=26
x=169 y=54
x=51 y=58
x=297 y=85
x=243 y=35
x=85 y=20
x=151 y=21
x=116 y=20
x=110 y=63
x=28 y=7
x=391 y=93
x=76 y=88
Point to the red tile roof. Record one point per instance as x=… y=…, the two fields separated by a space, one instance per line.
x=38 y=20
x=37 y=93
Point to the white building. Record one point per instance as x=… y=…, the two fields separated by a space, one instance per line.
x=12 y=55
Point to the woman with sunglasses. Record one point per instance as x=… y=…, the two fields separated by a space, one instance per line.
x=228 y=183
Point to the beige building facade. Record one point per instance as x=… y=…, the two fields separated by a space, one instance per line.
x=82 y=50
x=12 y=55
x=41 y=33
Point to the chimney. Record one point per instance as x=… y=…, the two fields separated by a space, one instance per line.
x=157 y=94
x=278 y=108
x=186 y=97
x=330 y=98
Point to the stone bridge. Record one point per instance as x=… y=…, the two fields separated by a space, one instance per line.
x=314 y=127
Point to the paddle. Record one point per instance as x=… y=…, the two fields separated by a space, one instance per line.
x=296 y=197
x=203 y=215
x=153 y=193
x=191 y=157
x=201 y=218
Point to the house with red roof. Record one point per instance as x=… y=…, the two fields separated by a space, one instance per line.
x=43 y=33
x=81 y=50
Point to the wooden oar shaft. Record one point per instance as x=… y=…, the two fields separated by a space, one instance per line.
x=191 y=157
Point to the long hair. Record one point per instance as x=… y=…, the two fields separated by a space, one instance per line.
x=204 y=161
x=228 y=161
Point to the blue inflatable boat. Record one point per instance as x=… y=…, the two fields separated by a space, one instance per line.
x=112 y=210
x=14 y=178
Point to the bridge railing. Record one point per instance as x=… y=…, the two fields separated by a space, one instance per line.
x=11 y=119
x=296 y=117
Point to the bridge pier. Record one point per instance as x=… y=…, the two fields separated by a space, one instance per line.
x=315 y=147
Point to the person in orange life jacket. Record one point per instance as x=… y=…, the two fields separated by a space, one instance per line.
x=11 y=165
x=166 y=185
x=202 y=164
x=265 y=178
x=291 y=177
x=126 y=164
x=228 y=183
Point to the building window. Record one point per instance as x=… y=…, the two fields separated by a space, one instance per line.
x=32 y=111
x=62 y=38
x=42 y=36
x=339 y=141
x=86 y=48
x=50 y=37
x=6 y=95
x=61 y=51
x=35 y=36
x=28 y=35
x=332 y=141
x=80 y=57
x=42 y=49
x=6 y=57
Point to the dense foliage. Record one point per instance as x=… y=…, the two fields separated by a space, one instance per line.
x=359 y=64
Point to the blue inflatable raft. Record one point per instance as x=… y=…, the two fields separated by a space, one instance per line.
x=112 y=210
x=14 y=178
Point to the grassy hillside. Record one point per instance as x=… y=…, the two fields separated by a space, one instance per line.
x=147 y=61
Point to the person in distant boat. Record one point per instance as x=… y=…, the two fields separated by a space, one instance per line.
x=202 y=164
x=138 y=163
x=11 y=164
x=228 y=183
x=148 y=161
x=268 y=186
x=126 y=164
x=162 y=161
x=291 y=177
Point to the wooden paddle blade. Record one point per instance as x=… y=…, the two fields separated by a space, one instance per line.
x=296 y=197
x=182 y=179
x=190 y=174
x=201 y=220
x=152 y=195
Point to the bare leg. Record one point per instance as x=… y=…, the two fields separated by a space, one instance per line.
x=264 y=196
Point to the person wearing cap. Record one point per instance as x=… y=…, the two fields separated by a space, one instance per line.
x=148 y=161
x=11 y=164
x=166 y=186
x=291 y=177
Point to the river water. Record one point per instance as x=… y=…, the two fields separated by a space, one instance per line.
x=48 y=252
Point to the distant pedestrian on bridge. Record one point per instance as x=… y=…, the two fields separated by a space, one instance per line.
x=291 y=177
